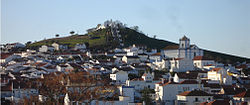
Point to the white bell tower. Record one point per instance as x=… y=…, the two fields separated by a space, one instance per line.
x=184 y=42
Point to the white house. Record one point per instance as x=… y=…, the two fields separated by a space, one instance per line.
x=166 y=92
x=194 y=97
x=155 y=57
x=14 y=45
x=162 y=64
x=183 y=50
x=45 y=48
x=146 y=81
x=201 y=61
x=59 y=47
x=130 y=59
x=181 y=65
x=119 y=77
x=61 y=68
x=219 y=75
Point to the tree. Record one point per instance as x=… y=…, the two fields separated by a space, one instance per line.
x=27 y=43
x=136 y=28
x=87 y=45
x=146 y=96
x=57 y=35
x=72 y=32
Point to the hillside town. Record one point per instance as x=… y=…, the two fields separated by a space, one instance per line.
x=176 y=75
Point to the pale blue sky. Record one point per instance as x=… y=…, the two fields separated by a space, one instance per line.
x=219 y=25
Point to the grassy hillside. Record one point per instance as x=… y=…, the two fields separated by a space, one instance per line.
x=224 y=58
x=102 y=39
x=93 y=38
x=132 y=37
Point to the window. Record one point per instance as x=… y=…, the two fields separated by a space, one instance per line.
x=196 y=99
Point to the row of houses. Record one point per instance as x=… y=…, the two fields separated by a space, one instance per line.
x=180 y=76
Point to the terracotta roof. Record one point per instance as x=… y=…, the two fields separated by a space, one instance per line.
x=216 y=69
x=201 y=58
x=184 y=75
x=50 y=67
x=189 y=82
x=209 y=65
x=243 y=94
x=5 y=55
x=137 y=79
x=178 y=58
x=40 y=64
x=194 y=93
x=7 y=87
x=217 y=102
x=169 y=83
x=156 y=54
x=171 y=47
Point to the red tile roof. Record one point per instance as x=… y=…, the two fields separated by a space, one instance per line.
x=216 y=69
x=178 y=58
x=201 y=58
x=137 y=79
x=194 y=93
x=171 y=47
x=5 y=55
x=189 y=82
x=243 y=94
x=40 y=64
x=169 y=83
x=7 y=87
x=217 y=102
x=184 y=75
x=156 y=54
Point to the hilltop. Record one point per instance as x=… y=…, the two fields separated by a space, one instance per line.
x=113 y=37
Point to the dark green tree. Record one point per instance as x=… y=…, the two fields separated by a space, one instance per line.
x=146 y=96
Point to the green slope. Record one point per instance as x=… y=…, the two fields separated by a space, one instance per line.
x=94 y=39
x=105 y=42
x=132 y=37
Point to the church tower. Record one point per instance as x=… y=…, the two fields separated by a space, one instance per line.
x=184 y=42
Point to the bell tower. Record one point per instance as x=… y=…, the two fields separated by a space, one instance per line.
x=184 y=42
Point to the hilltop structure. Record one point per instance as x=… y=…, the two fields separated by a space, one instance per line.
x=183 y=50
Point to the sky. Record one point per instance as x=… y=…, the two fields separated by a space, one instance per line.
x=217 y=25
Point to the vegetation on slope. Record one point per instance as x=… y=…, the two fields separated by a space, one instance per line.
x=93 y=38
x=131 y=37
x=102 y=40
